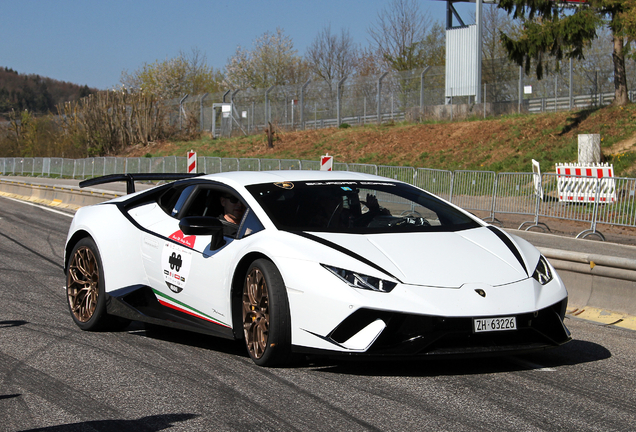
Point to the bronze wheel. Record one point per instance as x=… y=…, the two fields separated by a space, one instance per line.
x=82 y=284
x=256 y=312
x=85 y=289
x=266 y=320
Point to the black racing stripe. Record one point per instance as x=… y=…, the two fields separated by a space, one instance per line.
x=136 y=224
x=504 y=238
x=343 y=250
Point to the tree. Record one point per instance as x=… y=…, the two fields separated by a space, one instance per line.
x=176 y=77
x=550 y=28
x=272 y=61
x=330 y=56
x=497 y=71
x=399 y=33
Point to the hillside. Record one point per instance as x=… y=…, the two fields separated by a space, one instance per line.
x=505 y=144
x=37 y=94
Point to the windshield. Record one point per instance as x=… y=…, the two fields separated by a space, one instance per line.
x=356 y=207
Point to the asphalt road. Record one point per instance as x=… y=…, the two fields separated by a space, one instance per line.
x=55 y=377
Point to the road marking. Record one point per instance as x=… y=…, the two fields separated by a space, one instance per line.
x=604 y=317
x=40 y=206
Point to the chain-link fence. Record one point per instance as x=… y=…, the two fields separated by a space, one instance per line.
x=412 y=95
x=609 y=201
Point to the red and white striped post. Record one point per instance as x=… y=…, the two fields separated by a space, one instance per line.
x=326 y=162
x=192 y=162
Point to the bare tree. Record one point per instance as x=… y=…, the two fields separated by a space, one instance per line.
x=398 y=34
x=498 y=72
x=272 y=61
x=171 y=78
x=332 y=56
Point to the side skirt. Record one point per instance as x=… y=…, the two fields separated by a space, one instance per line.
x=139 y=303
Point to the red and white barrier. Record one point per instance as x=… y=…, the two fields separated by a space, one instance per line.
x=192 y=162
x=579 y=183
x=326 y=163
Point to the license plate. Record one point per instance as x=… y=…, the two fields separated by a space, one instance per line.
x=494 y=324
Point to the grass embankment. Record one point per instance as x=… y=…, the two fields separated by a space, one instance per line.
x=505 y=144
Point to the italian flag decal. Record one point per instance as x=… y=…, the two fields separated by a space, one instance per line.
x=182 y=307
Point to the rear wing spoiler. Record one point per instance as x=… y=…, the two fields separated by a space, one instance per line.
x=130 y=179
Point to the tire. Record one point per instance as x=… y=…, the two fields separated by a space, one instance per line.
x=85 y=289
x=266 y=319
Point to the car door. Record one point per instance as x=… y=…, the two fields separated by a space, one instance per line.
x=184 y=271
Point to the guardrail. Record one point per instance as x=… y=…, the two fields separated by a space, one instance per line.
x=484 y=192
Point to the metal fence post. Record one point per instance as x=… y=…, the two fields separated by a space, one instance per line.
x=267 y=111
x=380 y=96
x=426 y=69
x=181 y=109
x=520 y=89
x=201 y=116
x=302 y=104
x=339 y=100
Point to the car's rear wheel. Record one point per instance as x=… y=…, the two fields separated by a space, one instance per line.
x=85 y=289
x=266 y=319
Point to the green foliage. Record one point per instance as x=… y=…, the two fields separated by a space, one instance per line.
x=551 y=29
x=556 y=33
x=344 y=125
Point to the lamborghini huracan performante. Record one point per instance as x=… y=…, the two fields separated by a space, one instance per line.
x=326 y=263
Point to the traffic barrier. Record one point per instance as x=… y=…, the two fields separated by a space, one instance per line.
x=586 y=183
x=596 y=280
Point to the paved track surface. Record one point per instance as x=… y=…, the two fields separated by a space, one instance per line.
x=54 y=377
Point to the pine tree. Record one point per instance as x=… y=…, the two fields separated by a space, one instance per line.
x=555 y=28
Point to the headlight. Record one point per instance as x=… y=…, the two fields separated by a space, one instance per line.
x=542 y=273
x=362 y=281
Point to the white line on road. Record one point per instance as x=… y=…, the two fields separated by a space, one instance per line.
x=40 y=206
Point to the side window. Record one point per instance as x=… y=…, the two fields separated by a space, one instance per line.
x=183 y=198
x=250 y=225
x=205 y=202
x=173 y=199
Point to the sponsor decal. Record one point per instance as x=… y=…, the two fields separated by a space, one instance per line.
x=285 y=185
x=183 y=239
x=175 y=262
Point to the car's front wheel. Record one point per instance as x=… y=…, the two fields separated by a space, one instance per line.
x=85 y=289
x=266 y=318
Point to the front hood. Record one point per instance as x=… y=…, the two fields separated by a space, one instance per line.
x=439 y=259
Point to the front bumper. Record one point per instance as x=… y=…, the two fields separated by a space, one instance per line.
x=408 y=335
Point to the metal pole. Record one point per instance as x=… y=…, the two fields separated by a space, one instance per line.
x=426 y=69
x=520 y=88
x=201 y=117
x=571 y=97
x=485 y=100
x=478 y=21
x=302 y=104
x=232 y=109
x=380 y=96
x=181 y=109
x=338 y=100
x=556 y=90
x=267 y=118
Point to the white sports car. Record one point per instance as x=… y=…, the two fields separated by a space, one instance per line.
x=331 y=263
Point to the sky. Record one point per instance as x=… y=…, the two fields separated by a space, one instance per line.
x=93 y=42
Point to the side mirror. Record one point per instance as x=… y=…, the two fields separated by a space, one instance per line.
x=204 y=225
